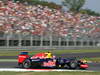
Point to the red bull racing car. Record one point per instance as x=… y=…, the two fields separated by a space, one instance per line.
x=39 y=60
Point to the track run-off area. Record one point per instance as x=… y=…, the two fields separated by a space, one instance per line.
x=41 y=70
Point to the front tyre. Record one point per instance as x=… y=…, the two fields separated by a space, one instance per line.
x=26 y=63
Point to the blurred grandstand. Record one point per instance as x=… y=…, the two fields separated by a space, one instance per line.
x=23 y=25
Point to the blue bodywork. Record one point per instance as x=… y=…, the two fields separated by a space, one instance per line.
x=59 y=61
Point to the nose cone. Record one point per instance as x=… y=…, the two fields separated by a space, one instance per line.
x=84 y=66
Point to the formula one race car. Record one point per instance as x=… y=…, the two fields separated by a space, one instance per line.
x=39 y=60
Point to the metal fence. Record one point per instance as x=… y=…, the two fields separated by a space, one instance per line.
x=48 y=42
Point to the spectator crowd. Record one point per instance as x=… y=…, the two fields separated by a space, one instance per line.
x=18 y=18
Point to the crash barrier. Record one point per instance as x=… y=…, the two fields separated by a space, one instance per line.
x=47 y=42
x=68 y=43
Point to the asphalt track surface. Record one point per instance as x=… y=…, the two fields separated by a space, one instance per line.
x=92 y=66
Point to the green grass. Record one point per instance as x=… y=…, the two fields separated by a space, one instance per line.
x=49 y=73
x=8 y=60
x=95 y=59
x=15 y=53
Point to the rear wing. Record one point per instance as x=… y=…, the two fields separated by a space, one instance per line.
x=22 y=57
x=23 y=53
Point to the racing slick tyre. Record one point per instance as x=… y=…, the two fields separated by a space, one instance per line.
x=26 y=63
x=73 y=65
x=20 y=65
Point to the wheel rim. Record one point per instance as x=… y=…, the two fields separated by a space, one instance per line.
x=26 y=65
x=73 y=65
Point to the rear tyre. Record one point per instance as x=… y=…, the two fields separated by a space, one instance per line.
x=20 y=65
x=26 y=63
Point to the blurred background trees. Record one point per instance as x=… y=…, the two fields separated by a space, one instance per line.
x=74 y=5
x=41 y=2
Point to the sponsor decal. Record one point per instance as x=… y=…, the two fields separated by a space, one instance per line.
x=49 y=63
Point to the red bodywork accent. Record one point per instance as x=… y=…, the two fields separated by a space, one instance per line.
x=39 y=55
x=84 y=66
x=21 y=58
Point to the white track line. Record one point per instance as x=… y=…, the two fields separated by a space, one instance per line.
x=36 y=70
